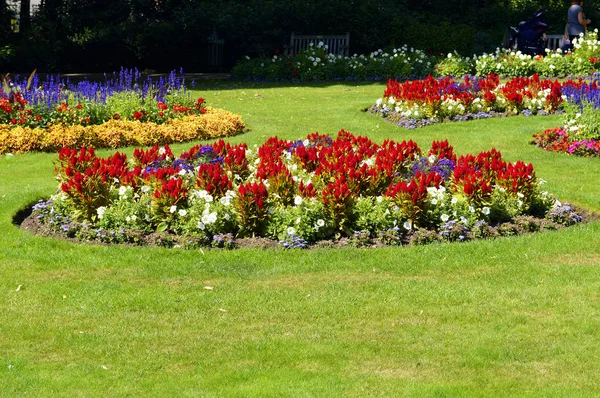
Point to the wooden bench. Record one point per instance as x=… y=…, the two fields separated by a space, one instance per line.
x=554 y=42
x=336 y=44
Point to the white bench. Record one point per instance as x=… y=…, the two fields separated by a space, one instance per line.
x=336 y=44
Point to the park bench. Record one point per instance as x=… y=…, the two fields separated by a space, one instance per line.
x=336 y=44
x=554 y=42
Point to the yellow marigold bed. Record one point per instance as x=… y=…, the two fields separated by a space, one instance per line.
x=118 y=133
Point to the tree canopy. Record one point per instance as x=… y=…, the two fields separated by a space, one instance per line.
x=101 y=35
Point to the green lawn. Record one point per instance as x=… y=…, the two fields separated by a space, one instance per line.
x=512 y=316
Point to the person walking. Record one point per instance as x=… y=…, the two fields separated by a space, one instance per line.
x=576 y=20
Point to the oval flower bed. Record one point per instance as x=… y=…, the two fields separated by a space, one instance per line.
x=123 y=110
x=419 y=103
x=347 y=189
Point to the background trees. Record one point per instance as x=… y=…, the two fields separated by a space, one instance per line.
x=101 y=35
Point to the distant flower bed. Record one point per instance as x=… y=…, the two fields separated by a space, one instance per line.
x=125 y=109
x=559 y=140
x=317 y=64
x=418 y=103
x=214 y=123
x=298 y=193
x=124 y=96
x=580 y=134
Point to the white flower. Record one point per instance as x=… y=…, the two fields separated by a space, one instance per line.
x=209 y=218
x=407 y=225
x=225 y=200
x=298 y=220
x=201 y=226
x=291 y=231
x=431 y=158
x=485 y=210
x=100 y=210
x=182 y=212
x=162 y=151
x=173 y=209
x=454 y=200
x=445 y=217
x=298 y=200
x=181 y=172
x=146 y=189
x=320 y=222
x=464 y=221
x=520 y=195
x=122 y=190
x=471 y=209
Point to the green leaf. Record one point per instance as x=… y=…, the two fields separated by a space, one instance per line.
x=162 y=227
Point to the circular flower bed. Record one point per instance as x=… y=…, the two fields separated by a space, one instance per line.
x=348 y=189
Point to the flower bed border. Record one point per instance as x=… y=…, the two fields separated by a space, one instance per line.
x=523 y=226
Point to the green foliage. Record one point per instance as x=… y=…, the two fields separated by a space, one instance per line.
x=306 y=220
x=376 y=215
x=582 y=121
x=455 y=65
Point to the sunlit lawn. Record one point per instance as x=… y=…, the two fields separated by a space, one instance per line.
x=513 y=316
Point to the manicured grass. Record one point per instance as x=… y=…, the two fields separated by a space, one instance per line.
x=513 y=316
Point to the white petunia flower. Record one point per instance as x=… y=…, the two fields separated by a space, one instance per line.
x=320 y=222
x=182 y=213
x=445 y=217
x=173 y=209
x=100 y=211
x=291 y=231
x=485 y=210
x=122 y=190
x=209 y=218
x=298 y=200
x=201 y=225
x=407 y=225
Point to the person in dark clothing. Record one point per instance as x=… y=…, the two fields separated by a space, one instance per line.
x=577 y=22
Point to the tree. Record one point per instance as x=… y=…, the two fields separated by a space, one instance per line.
x=24 y=16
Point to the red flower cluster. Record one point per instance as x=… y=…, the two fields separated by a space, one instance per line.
x=341 y=170
x=431 y=91
x=251 y=204
x=212 y=179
